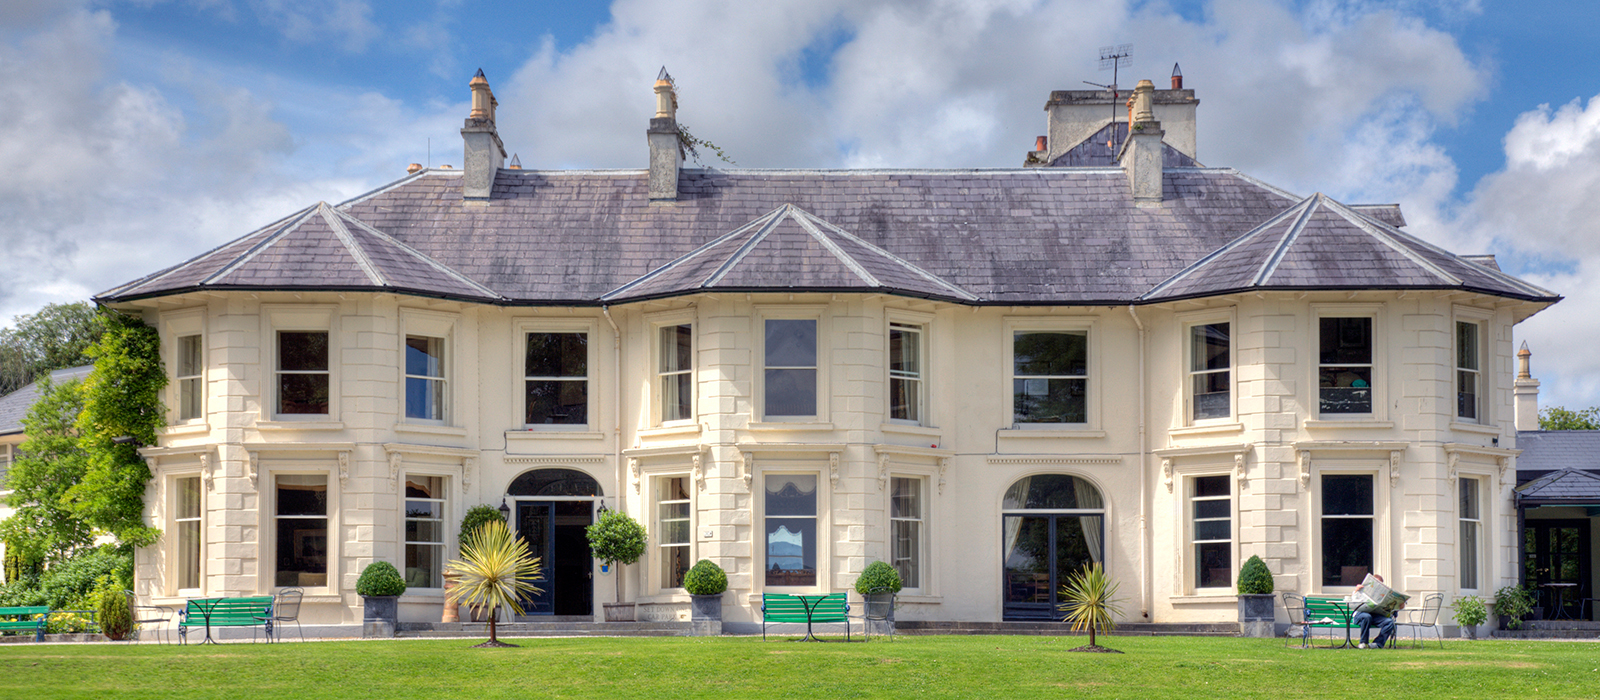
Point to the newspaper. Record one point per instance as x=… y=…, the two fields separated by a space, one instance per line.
x=1373 y=596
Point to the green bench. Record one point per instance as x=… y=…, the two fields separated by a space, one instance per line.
x=1330 y=613
x=254 y=611
x=783 y=608
x=25 y=619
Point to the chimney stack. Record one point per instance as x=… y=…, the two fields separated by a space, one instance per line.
x=484 y=153
x=666 y=154
x=1141 y=153
x=1526 y=392
x=1177 y=77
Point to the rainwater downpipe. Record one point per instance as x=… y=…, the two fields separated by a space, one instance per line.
x=1145 y=588
x=616 y=425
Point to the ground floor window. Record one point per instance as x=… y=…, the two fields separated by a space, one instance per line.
x=905 y=529
x=1211 y=510
x=1347 y=528
x=186 y=521
x=425 y=504
x=1052 y=526
x=673 y=529
x=1471 y=533
x=302 y=530
x=791 y=529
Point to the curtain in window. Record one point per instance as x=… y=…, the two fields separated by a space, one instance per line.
x=1089 y=497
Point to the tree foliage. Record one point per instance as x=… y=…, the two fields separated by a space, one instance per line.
x=1559 y=418
x=1089 y=599
x=495 y=570
x=56 y=337
x=1254 y=577
x=122 y=397
x=45 y=528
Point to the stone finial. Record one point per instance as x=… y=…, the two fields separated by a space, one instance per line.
x=1522 y=362
x=1144 y=102
x=483 y=101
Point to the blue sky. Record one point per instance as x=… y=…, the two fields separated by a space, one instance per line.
x=146 y=131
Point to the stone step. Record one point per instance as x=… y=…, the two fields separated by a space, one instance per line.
x=543 y=629
x=1188 y=629
x=1546 y=634
x=1561 y=625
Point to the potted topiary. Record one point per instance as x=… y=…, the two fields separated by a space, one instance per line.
x=1469 y=612
x=476 y=517
x=1255 y=599
x=1513 y=604
x=380 y=586
x=705 y=582
x=616 y=539
x=877 y=585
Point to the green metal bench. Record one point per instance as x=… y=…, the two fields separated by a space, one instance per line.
x=25 y=619
x=783 y=608
x=254 y=611
x=1329 y=613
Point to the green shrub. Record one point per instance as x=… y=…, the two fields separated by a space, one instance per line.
x=380 y=578
x=116 y=620
x=1513 y=603
x=705 y=578
x=1254 y=577
x=69 y=623
x=878 y=575
x=1469 y=611
x=476 y=516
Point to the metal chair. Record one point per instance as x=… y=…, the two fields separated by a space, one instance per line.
x=285 y=608
x=1295 y=605
x=878 y=605
x=1425 y=618
x=158 y=617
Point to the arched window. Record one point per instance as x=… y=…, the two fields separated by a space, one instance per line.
x=1053 y=526
x=554 y=482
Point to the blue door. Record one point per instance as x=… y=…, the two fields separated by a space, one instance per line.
x=534 y=520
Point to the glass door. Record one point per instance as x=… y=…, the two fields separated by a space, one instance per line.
x=1041 y=553
x=1556 y=557
x=534 y=525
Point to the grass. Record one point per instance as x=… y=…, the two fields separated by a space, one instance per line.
x=742 y=667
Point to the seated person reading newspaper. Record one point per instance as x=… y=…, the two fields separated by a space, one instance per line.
x=1376 y=603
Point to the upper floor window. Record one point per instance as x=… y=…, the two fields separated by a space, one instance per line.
x=790 y=374
x=1469 y=377
x=675 y=372
x=1050 y=376
x=906 y=394
x=556 y=377
x=191 y=364
x=426 y=391
x=1210 y=367
x=303 y=386
x=1344 y=369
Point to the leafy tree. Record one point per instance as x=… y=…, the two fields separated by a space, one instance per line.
x=122 y=397
x=56 y=337
x=44 y=527
x=1559 y=418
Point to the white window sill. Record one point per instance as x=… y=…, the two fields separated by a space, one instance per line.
x=666 y=598
x=284 y=425
x=795 y=426
x=671 y=431
x=1349 y=424
x=428 y=429
x=532 y=435
x=1204 y=599
x=195 y=428
x=1478 y=428
x=920 y=599
x=423 y=595
x=1050 y=432
x=909 y=429
x=1207 y=429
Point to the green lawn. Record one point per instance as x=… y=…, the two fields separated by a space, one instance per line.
x=670 y=668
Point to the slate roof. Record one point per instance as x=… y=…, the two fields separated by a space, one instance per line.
x=15 y=405
x=1035 y=236
x=1101 y=149
x=1322 y=244
x=1564 y=485
x=1558 y=449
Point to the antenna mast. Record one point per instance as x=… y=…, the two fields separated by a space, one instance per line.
x=1114 y=58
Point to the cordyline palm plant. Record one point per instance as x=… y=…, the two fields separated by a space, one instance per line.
x=495 y=569
x=1089 y=601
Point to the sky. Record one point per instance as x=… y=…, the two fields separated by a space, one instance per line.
x=140 y=133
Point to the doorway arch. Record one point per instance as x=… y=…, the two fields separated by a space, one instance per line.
x=551 y=509
x=1051 y=525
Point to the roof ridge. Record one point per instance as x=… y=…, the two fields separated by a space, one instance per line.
x=298 y=218
x=897 y=259
x=446 y=269
x=1226 y=248
x=727 y=266
x=350 y=244
x=1366 y=225
x=696 y=252
x=1292 y=234
x=1499 y=275
x=804 y=217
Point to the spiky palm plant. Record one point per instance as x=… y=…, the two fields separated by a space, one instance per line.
x=1090 y=601
x=495 y=569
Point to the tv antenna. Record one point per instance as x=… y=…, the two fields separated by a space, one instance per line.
x=1114 y=58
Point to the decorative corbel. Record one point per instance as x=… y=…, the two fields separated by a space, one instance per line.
x=699 y=471
x=1239 y=463
x=1166 y=473
x=468 y=466
x=883 y=471
x=633 y=468
x=1502 y=462
x=255 y=467
x=944 y=463
x=833 y=469
x=394 y=470
x=1394 y=467
x=205 y=471
x=344 y=466
x=1453 y=460
x=747 y=468
x=1305 y=469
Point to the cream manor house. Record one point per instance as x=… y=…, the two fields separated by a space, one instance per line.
x=985 y=377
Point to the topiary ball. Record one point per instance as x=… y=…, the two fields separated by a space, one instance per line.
x=476 y=516
x=878 y=575
x=1254 y=577
x=380 y=578
x=705 y=578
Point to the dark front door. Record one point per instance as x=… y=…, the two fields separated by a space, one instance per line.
x=1556 y=561
x=1041 y=552
x=554 y=531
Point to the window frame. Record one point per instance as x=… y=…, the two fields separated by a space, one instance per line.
x=823 y=524
x=1092 y=362
x=268 y=478
x=1191 y=539
x=430 y=324
x=657 y=550
x=1482 y=319
x=1480 y=573
x=789 y=312
x=174 y=585
x=1378 y=469
x=594 y=375
x=657 y=323
x=1188 y=322
x=1378 y=359
x=922 y=555
x=447 y=520
x=298 y=318
x=176 y=325
x=919 y=378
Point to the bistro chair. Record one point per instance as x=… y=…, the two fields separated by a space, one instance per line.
x=285 y=609
x=878 y=605
x=1295 y=605
x=156 y=617
x=1425 y=618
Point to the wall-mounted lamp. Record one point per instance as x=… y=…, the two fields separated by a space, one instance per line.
x=505 y=510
